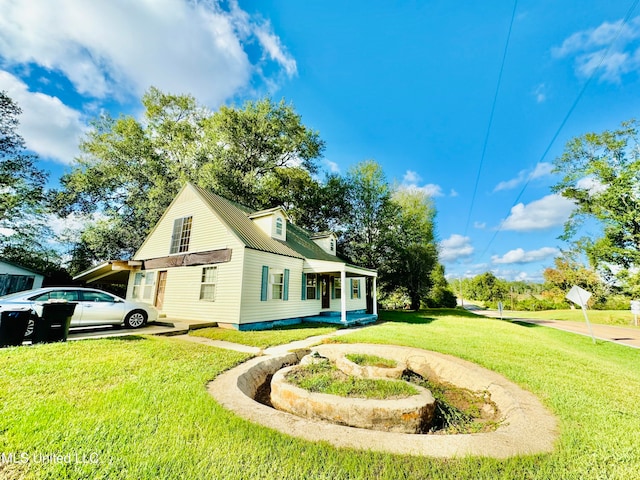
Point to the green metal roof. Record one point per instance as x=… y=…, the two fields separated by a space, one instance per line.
x=236 y=217
x=300 y=240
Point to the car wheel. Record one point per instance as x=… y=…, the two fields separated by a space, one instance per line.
x=30 y=326
x=135 y=319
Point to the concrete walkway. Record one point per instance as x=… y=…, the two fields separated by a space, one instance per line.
x=275 y=350
x=627 y=336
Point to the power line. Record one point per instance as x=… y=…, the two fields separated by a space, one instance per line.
x=493 y=108
x=566 y=117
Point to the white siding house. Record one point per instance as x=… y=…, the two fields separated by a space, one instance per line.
x=211 y=259
x=14 y=278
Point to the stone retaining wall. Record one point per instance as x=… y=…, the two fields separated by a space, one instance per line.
x=405 y=415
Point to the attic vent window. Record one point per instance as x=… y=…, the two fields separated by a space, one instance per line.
x=332 y=246
x=278 y=226
x=181 y=235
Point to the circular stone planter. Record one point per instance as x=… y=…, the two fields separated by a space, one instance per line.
x=527 y=427
x=404 y=415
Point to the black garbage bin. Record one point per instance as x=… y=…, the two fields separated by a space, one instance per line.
x=13 y=325
x=53 y=324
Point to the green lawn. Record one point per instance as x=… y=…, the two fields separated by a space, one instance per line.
x=604 y=317
x=139 y=408
x=265 y=338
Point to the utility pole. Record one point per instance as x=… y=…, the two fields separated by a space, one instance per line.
x=461 y=297
x=512 y=298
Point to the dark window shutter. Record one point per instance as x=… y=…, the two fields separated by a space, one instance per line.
x=265 y=284
x=285 y=288
x=304 y=286
x=351 y=288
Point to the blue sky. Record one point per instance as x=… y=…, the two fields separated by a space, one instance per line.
x=410 y=84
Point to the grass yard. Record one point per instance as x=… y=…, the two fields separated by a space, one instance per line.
x=265 y=338
x=137 y=408
x=605 y=317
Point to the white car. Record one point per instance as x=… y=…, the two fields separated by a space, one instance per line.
x=93 y=307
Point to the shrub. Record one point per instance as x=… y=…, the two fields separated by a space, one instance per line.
x=440 y=297
x=537 y=304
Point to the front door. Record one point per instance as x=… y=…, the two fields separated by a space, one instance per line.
x=326 y=295
x=162 y=281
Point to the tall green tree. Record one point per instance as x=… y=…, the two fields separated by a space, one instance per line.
x=441 y=293
x=129 y=171
x=601 y=174
x=368 y=232
x=566 y=273
x=486 y=287
x=411 y=249
x=24 y=232
x=252 y=145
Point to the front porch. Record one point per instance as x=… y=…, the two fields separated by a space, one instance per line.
x=342 y=302
x=357 y=317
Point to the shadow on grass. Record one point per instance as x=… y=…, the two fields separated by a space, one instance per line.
x=127 y=338
x=423 y=316
x=522 y=323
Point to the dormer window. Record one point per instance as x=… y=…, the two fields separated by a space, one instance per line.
x=327 y=241
x=273 y=222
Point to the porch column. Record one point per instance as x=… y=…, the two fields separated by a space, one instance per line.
x=343 y=296
x=375 y=297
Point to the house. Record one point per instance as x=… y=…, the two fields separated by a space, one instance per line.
x=212 y=259
x=14 y=278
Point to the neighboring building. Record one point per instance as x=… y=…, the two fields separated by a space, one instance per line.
x=14 y=278
x=212 y=259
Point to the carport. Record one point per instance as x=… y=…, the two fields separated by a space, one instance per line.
x=111 y=272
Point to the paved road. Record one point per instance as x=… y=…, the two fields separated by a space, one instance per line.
x=628 y=336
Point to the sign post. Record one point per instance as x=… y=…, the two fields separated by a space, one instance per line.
x=580 y=297
x=635 y=309
x=500 y=310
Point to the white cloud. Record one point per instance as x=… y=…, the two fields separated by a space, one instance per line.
x=617 y=41
x=119 y=48
x=453 y=193
x=332 y=166
x=455 y=247
x=411 y=177
x=49 y=128
x=540 y=93
x=73 y=223
x=548 y=212
x=592 y=185
x=480 y=225
x=274 y=48
x=411 y=180
x=542 y=169
x=519 y=275
x=520 y=256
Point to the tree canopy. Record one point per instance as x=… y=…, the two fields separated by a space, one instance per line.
x=129 y=171
x=601 y=174
x=566 y=273
x=24 y=231
x=411 y=248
